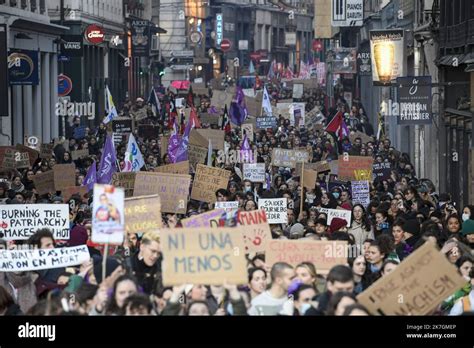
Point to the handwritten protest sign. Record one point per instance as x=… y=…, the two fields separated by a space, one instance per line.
x=173 y=189
x=195 y=138
x=288 y=158
x=75 y=155
x=196 y=155
x=64 y=176
x=175 y=168
x=122 y=125
x=38 y=259
x=22 y=160
x=3 y=150
x=20 y=221
x=203 y=256
x=44 y=182
x=423 y=280
x=255 y=172
x=227 y=206
x=319 y=167
x=275 y=208
x=32 y=154
x=203 y=220
x=125 y=181
x=142 y=214
x=350 y=164
x=210 y=119
x=363 y=137
x=337 y=213
x=207 y=181
x=108 y=215
x=323 y=254
x=254 y=217
x=9 y=159
x=46 y=151
x=221 y=98
x=216 y=136
x=68 y=192
x=381 y=170
x=256 y=237
x=360 y=192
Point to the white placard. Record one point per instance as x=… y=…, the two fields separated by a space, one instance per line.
x=337 y=213
x=20 y=221
x=108 y=218
x=360 y=192
x=255 y=172
x=37 y=259
x=227 y=206
x=275 y=208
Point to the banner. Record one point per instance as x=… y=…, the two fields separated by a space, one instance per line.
x=255 y=172
x=387 y=53
x=21 y=221
x=203 y=220
x=207 y=181
x=350 y=167
x=175 y=168
x=44 y=182
x=337 y=213
x=360 y=193
x=38 y=259
x=143 y=214
x=415 y=100
x=275 y=208
x=203 y=256
x=140 y=38
x=125 y=181
x=173 y=189
x=324 y=255
x=108 y=216
x=416 y=287
x=64 y=176
x=288 y=158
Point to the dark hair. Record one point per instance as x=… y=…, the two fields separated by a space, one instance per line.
x=35 y=239
x=300 y=289
x=453 y=216
x=463 y=259
x=80 y=217
x=340 y=273
x=223 y=192
x=350 y=309
x=365 y=219
x=335 y=299
x=399 y=222
x=252 y=270
x=385 y=244
x=197 y=302
x=6 y=300
x=388 y=262
x=112 y=306
x=471 y=210
x=137 y=301
x=278 y=268
x=86 y=292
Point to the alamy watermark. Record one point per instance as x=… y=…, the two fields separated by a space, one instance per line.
x=67 y=108
x=236 y=156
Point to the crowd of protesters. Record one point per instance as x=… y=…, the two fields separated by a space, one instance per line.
x=404 y=212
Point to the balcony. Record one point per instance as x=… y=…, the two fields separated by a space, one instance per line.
x=470 y=32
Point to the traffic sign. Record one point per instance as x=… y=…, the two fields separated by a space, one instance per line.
x=226 y=45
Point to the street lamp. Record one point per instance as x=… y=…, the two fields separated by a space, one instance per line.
x=384 y=56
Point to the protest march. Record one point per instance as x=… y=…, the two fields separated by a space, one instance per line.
x=218 y=208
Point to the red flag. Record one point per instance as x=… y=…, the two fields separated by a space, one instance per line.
x=335 y=123
x=193 y=118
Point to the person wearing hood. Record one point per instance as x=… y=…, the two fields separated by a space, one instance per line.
x=467 y=232
x=411 y=232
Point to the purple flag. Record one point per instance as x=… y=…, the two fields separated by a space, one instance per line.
x=91 y=177
x=213 y=111
x=269 y=181
x=182 y=150
x=238 y=110
x=108 y=165
x=246 y=151
x=173 y=142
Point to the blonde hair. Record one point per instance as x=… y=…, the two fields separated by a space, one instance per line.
x=151 y=236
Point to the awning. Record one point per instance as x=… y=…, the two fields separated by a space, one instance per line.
x=34 y=25
x=181 y=84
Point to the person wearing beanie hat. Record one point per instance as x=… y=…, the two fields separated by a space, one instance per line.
x=296 y=231
x=346 y=206
x=411 y=229
x=468 y=231
x=338 y=224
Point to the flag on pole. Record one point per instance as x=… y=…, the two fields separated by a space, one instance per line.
x=91 y=177
x=173 y=142
x=343 y=131
x=251 y=68
x=133 y=157
x=154 y=101
x=266 y=104
x=209 y=154
x=226 y=121
x=182 y=150
x=335 y=123
x=108 y=164
x=193 y=118
x=246 y=151
x=172 y=113
x=238 y=110
x=109 y=106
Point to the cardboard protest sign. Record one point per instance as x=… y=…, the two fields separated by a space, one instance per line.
x=203 y=256
x=350 y=164
x=46 y=151
x=288 y=158
x=202 y=220
x=75 y=155
x=64 y=176
x=363 y=137
x=32 y=154
x=254 y=106
x=216 y=136
x=108 y=215
x=195 y=138
x=322 y=254
x=256 y=237
x=381 y=170
x=175 y=168
x=22 y=160
x=337 y=213
x=125 y=181
x=68 y=192
x=254 y=217
x=44 y=182
x=164 y=145
x=360 y=192
x=227 y=206
x=9 y=159
x=275 y=208
x=423 y=280
x=21 y=221
x=210 y=119
x=309 y=179
x=200 y=89
x=142 y=214
x=320 y=167
x=196 y=155
x=247 y=128
x=221 y=98
x=37 y=259
x=334 y=165
x=4 y=149
x=173 y=189
x=207 y=181
x=255 y=172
